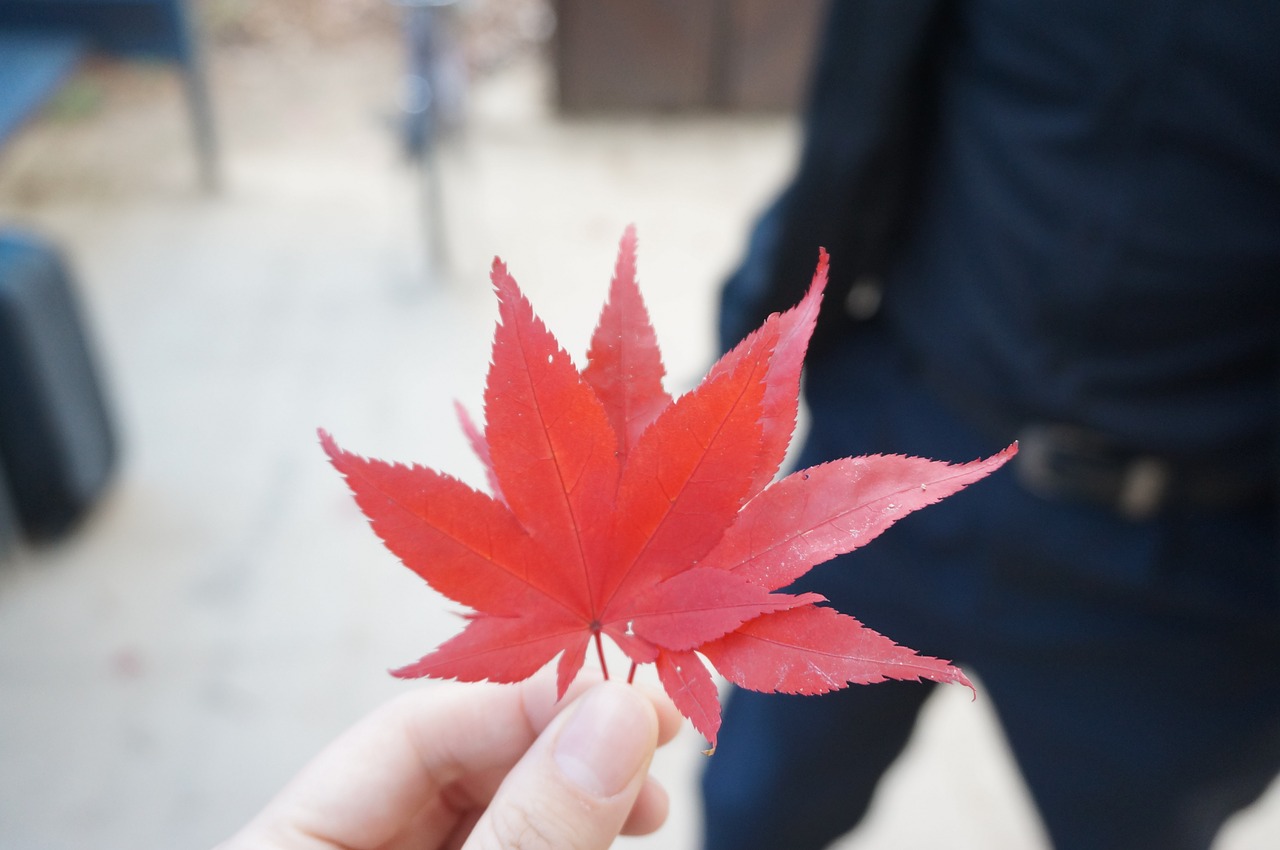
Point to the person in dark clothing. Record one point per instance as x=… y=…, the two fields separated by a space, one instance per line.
x=1057 y=223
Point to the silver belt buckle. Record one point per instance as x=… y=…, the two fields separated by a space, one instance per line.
x=1143 y=487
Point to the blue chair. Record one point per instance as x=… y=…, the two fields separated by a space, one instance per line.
x=42 y=41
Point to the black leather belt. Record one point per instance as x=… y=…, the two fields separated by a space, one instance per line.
x=1073 y=463
x=1067 y=462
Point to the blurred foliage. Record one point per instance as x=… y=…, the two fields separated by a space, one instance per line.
x=80 y=97
x=492 y=31
x=295 y=21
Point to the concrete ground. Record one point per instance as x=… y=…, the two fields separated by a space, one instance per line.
x=225 y=611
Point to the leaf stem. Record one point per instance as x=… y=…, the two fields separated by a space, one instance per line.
x=604 y=668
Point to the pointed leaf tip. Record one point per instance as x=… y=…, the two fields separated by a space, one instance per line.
x=813 y=650
x=815 y=514
x=691 y=688
x=786 y=337
x=624 y=364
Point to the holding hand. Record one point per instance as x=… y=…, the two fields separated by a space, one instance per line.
x=485 y=767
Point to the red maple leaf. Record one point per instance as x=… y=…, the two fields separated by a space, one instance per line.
x=619 y=511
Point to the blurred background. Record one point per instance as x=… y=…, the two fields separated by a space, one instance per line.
x=277 y=216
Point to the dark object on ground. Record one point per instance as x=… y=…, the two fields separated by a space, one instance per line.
x=57 y=445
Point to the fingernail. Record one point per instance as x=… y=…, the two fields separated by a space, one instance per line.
x=606 y=740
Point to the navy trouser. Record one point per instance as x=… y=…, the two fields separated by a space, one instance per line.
x=1133 y=665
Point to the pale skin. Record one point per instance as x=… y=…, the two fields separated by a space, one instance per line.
x=480 y=767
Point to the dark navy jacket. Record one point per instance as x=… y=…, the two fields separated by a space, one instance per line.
x=1074 y=209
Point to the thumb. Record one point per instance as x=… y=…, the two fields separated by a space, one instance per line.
x=576 y=785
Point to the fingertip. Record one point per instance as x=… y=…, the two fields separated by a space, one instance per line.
x=670 y=721
x=607 y=740
x=541 y=700
x=578 y=785
x=650 y=810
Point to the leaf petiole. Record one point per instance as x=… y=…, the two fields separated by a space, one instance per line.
x=604 y=668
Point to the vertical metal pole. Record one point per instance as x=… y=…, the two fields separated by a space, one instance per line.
x=424 y=100
x=195 y=80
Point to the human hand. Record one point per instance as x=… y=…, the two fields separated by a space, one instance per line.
x=479 y=767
